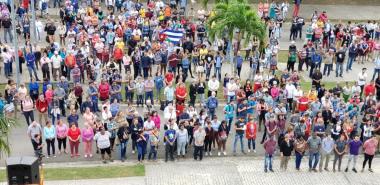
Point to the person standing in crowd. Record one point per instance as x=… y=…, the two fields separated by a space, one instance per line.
x=199 y=138
x=170 y=137
x=182 y=140
x=123 y=133
x=250 y=134
x=49 y=133
x=102 y=139
x=270 y=148
x=87 y=134
x=74 y=134
x=61 y=130
x=327 y=148
x=369 y=148
x=239 y=134
x=286 y=148
x=314 y=144
x=354 y=146
x=340 y=149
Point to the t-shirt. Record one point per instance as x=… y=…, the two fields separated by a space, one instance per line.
x=340 y=145
x=314 y=144
x=270 y=146
x=354 y=147
x=74 y=134
x=103 y=141
x=239 y=124
x=170 y=134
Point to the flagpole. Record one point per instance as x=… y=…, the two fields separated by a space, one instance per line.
x=15 y=43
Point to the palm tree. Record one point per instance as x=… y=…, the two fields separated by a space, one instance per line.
x=5 y=125
x=234 y=19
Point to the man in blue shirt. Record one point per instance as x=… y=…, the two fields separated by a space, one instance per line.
x=218 y=66
x=31 y=64
x=212 y=104
x=239 y=63
x=316 y=60
x=170 y=137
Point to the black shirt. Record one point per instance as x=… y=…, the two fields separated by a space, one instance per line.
x=286 y=148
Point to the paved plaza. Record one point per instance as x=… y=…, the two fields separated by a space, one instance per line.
x=233 y=171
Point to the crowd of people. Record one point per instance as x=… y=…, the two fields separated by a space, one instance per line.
x=97 y=60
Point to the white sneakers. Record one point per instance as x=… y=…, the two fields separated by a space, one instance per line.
x=206 y=154
x=254 y=151
x=249 y=151
x=224 y=153
x=218 y=153
x=210 y=153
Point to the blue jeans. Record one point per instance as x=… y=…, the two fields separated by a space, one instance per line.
x=140 y=99
x=298 y=160
x=32 y=70
x=153 y=151
x=7 y=69
x=375 y=72
x=327 y=68
x=149 y=95
x=218 y=72
x=251 y=142
x=8 y=31
x=350 y=61
x=211 y=112
x=237 y=137
x=315 y=157
x=95 y=107
x=268 y=160
x=231 y=98
x=123 y=149
x=339 y=69
x=141 y=151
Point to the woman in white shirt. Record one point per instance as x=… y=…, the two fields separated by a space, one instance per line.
x=231 y=89
x=45 y=61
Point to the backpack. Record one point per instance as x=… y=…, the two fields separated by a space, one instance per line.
x=212 y=103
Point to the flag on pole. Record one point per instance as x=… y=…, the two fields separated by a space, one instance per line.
x=173 y=35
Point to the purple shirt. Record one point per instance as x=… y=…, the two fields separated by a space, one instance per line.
x=354 y=147
x=270 y=146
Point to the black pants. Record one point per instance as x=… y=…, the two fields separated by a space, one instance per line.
x=198 y=151
x=264 y=135
x=290 y=66
x=50 y=144
x=238 y=71
x=112 y=142
x=79 y=102
x=369 y=159
x=293 y=35
x=62 y=107
x=134 y=144
x=29 y=117
x=61 y=141
x=169 y=151
x=192 y=100
x=208 y=143
x=290 y=104
x=45 y=71
x=300 y=64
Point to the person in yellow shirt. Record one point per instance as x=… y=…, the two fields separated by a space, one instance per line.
x=119 y=43
x=312 y=95
x=203 y=51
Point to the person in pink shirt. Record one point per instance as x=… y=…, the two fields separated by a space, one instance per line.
x=87 y=137
x=89 y=117
x=61 y=130
x=369 y=149
x=49 y=94
x=156 y=119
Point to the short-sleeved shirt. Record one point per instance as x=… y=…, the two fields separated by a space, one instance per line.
x=170 y=134
x=354 y=147
x=314 y=144
x=340 y=145
x=239 y=124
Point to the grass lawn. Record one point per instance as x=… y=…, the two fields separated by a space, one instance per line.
x=98 y=172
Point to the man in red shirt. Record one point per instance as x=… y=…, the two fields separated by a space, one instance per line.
x=303 y=103
x=173 y=61
x=118 y=56
x=369 y=89
x=169 y=77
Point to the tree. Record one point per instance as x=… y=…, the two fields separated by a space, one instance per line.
x=5 y=125
x=235 y=19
